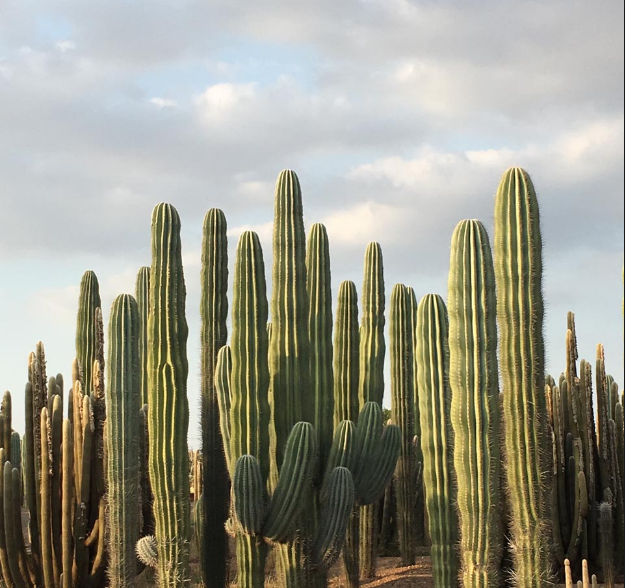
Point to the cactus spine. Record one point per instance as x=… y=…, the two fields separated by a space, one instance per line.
x=518 y=271
x=214 y=313
x=437 y=437
x=402 y=410
x=475 y=403
x=123 y=400
x=168 y=416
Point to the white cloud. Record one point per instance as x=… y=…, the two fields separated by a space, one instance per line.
x=163 y=102
x=64 y=46
x=218 y=103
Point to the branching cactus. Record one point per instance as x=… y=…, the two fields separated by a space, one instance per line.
x=518 y=272
x=475 y=404
x=168 y=414
x=122 y=430
x=216 y=483
x=437 y=441
x=402 y=410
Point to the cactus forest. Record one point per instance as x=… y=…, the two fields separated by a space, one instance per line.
x=500 y=473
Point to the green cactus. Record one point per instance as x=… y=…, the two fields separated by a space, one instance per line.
x=518 y=272
x=320 y=330
x=346 y=355
x=402 y=410
x=475 y=403
x=213 y=313
x=123 y=400
x=168 y=415
x=142 y=295
x=86 y=328
x=437 y=441
x=371 y=383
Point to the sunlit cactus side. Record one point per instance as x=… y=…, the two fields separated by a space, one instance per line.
x=142 y=295
x=86 y=328
x=213 y=333
x=168 y=414
x=122 y=430
x=518 y=273
x=346 y=355
x=437 y=441
x=320 y=332
x=472 y=306
x=371 y=383
x=402 y=410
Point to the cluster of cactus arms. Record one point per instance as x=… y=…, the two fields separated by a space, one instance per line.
x=59 y=466
x=587 y=491
x=296 y=457
x=303 y=507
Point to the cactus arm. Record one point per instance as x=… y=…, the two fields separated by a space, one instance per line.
x=67 y=504
x=249 y=494
x=222 y=387
x=168 y=417
x=475 y=403
x=213 y=332
x=518 y=271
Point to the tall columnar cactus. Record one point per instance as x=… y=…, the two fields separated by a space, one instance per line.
x=86 y=328
x=142 y=295
x=437 y=441
x=320 y=331
x=289 y=358
x=123 y=400
x=518 y=271
x=402 y=407
x=475 y=403
x=168 y=415
x=371 y=383
x=346 y=355
x=213 y=313
x=289 y=362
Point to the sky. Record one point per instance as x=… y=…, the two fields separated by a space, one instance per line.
x=398 y=116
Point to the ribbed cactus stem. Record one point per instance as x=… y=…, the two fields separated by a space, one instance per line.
x=142 y=295
x=244 y=389
x=402 y=410
x=371 y=382
x=346 y=355
x=7 y=414
x=168 y=416
x=86 y=329
x=518 y=272
x=474 y=384
x=67 y=504
x=249 y=379
x=213 y=334
x=437 y=441
x=123 y=401
x=320 y=331
x=289 y=366
x=223 y=371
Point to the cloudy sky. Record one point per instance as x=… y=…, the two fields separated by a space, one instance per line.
x=398 y=116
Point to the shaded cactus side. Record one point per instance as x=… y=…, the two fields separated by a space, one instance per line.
x=213 y=332
x=122 y=430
